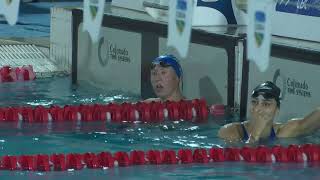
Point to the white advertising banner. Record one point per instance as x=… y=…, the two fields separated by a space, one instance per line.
x=113 y=63
x=180 y=24
x=93 y=14
x=10 y=10
x=298 y=19
x=259 y=32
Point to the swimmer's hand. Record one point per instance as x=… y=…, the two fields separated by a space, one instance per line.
x=260 y=120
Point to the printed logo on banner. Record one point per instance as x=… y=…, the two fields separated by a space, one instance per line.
x=292 y=85
x=111 y=51
x=280 y=80
x=181 y=15
x=260 y=20
x=302 y=7
x=103 y=52
x=93 y=11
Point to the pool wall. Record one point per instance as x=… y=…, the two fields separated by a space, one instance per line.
x=128 y=46
x=215 y=69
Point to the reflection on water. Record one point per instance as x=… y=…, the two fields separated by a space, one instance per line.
x=57 y=91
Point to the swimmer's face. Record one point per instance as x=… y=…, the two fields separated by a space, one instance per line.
x=164 y=81
x=262 y=106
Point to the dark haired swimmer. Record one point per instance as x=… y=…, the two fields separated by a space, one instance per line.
x=265 y=104
x=166 y=75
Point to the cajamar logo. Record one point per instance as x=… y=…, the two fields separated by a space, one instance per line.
x=280 y=81
x=181 y=15
x=291 y=85
x=103 y=58
x=259 y=27
x=110 y=51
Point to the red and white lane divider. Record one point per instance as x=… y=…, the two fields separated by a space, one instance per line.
x=13 y=74
x=75 y=161
x=194 y=110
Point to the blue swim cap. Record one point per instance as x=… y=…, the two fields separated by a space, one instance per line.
x=169 y=60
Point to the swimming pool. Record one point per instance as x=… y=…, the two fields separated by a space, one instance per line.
x=98 y=136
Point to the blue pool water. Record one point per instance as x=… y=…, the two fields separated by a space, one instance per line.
x=33 y=20
x=98 y=137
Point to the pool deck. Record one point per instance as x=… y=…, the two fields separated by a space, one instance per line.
x=23 y=48
x=30 y=37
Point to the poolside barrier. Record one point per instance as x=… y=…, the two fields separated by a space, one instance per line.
x=190 y=110
x=76 y=161
x=12 y=74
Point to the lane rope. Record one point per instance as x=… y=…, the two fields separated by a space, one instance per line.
x=190 y=110
x=307 y=153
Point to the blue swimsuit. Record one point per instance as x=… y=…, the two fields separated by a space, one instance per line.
x=272 y=136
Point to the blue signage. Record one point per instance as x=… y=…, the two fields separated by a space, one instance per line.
x=302 y=7
x=182 y=5
x=224 y=6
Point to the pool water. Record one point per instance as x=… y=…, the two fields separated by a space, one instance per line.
x=33 y=20
x=101 y=136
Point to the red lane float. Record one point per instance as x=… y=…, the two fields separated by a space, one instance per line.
x=195 y=110
x=261 y=154
x=13 y=74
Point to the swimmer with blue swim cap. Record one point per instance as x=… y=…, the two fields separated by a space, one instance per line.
x=166 y=75
x=168 y=61
x=265 y=105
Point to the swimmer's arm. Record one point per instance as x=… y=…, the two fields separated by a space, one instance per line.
x=299 y=127
x=230 y=132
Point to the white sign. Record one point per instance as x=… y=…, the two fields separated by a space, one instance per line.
x=10 y=10
x=180 y=24
x=92 y=17
x=259 y=32
x=299 y=19
x=113 y=62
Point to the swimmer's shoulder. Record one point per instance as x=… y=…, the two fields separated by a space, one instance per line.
x=277 y=126
x=231 y=131
x=159 y=100
x=152 y=100
x=288 y=129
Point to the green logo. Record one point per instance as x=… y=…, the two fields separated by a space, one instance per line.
x=259 y=38
x=180 y=25
x=93 y=11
